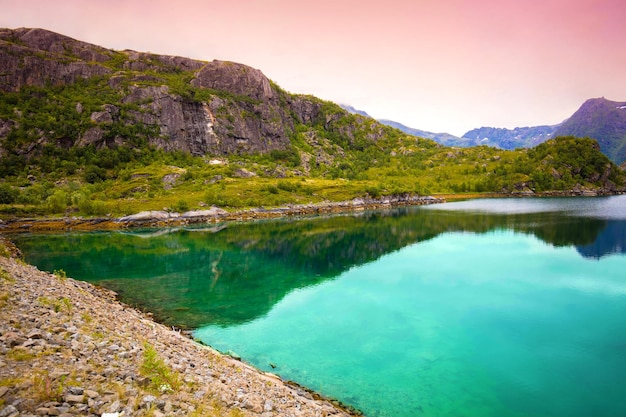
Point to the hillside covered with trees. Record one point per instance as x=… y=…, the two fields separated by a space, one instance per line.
x=92 y=131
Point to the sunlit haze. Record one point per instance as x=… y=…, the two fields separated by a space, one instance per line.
x=441 y=66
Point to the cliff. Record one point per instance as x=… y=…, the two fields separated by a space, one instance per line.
x=173 y=103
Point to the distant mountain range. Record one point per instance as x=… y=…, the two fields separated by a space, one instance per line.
x=520 y=137
x=598 y=118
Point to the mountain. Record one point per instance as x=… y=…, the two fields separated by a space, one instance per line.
x=352 y=110
x=603 y=120
x=520 y=137
x=98 y=131
x=76 y=94
x=445 y=139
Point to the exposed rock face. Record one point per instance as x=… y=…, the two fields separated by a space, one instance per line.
x=235 y=78
x=30 y=57
x=223 y=107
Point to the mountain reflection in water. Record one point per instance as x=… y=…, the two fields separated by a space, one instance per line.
x=234 y=273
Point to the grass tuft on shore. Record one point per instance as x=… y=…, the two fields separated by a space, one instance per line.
x=162 y=378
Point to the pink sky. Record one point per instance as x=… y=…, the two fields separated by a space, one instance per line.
x=436 y=65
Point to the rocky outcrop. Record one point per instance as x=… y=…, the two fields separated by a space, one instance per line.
x=31 y=57
x=223 y=107
x=237 y=79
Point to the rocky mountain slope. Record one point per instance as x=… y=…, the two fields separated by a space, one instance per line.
x=603 y=120
x=173 y=103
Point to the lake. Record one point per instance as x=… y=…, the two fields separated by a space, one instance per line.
x=493 y=307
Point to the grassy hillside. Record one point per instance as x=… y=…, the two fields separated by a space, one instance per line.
x=119 y=181
x=103 y=144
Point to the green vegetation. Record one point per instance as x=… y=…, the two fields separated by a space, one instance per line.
x=135 y=182
x=60 y=274
x=86 y=149
x=162 y=378
x=62 y=304
x=45 y=388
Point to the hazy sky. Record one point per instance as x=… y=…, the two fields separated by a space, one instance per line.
x=436 y=65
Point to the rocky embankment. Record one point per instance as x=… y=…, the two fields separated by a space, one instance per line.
x=69 y=348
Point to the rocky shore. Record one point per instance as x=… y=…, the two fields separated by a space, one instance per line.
x=159 y=218
x=69 y=348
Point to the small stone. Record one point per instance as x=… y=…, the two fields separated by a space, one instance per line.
x=115 y=407
x=269 y=406
x=7 y=411
x=91 y=393
x=35 y=334
x=12 y=339
x=3 y=390
x=54 y=411
x=76 y=390
x=253 y=405
x=108 y=372
x=28 y=343
x=75 y=399
x=160 y=404
x=148 y=400
x=42 y=411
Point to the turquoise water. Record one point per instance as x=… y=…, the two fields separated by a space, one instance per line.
x=480 y=308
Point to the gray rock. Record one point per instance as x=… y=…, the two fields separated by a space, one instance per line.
x=244 y=173
x=75 y=399
x=76 y=390
x=148 y=400
x=35 y=334
x=212 y=212
x=12 y=339
x=54 y=411
x=9 y=410
x=91 y=394
x=101 y=117
x=147 y=216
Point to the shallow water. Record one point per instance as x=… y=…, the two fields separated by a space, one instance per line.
x=478 y=308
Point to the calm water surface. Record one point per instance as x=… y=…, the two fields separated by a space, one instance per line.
x=507 y=307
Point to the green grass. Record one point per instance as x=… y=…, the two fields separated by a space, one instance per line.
x=162 y=378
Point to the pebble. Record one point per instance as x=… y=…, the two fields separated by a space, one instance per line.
x=98 y=345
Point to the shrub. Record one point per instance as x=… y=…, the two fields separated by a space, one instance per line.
x=182 y=205
x=57 y=202
x=94 y=174
x=8 y=195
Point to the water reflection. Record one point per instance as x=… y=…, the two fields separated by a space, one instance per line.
x=235 y=273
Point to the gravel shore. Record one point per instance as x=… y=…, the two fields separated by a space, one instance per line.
x=69 y=348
